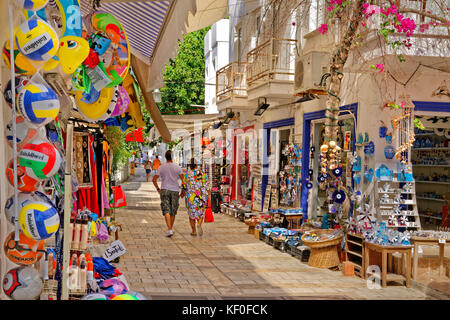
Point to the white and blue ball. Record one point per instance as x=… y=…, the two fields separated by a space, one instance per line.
x=23 y=283
x=32 y=5
x=39 y=104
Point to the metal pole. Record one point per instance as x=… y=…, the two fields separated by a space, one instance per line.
x=13 y=90
x=67 y=211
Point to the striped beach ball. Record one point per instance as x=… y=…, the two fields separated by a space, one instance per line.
x=32 y=5
x=38 y=218
x=38 y=103
x=40 y=159
x=37 y=40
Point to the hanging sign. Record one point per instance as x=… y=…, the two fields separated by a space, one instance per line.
x=115 y=250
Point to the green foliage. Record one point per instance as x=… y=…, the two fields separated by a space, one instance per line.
x=184 y=76
x=121 y=150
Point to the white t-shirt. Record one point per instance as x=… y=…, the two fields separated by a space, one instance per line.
x=169 y=174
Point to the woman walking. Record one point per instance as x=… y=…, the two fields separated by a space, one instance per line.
x=148 y=169
x=197 y=187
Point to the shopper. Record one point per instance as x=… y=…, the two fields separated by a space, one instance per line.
x=148 y=169
x=197 y=188
x=170 y=190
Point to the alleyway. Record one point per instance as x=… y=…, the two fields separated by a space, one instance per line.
x=226 y=263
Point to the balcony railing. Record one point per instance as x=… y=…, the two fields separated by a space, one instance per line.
x=272 y=60
x=230 y=81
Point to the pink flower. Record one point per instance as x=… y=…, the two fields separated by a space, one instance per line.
x=323 y=28
x=380 y=67
x=330 y=8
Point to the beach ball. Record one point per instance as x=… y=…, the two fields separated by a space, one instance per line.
x=21 y=64
x=124 y=296
x=22 y=255
x=37 y=40
x=23 y=283
x=94 y=296
x=123 y=101
x=32 y=5
x=38 y=103
x=41 y=159
x=24 y=134
x=39 y=218
x=112 y=286
x=21 y=82
x=25 y=183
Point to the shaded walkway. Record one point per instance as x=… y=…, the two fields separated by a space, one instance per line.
x=225 y=263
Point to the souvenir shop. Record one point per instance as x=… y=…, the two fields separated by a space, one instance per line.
x=64 y=83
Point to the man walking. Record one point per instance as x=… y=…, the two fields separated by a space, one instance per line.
x=170 y=190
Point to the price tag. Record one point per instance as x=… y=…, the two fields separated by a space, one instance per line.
x=442 y=241
x=115 y=250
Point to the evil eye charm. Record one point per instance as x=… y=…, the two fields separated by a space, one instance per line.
x=389 y=152
x=339 y=196
x=369 y=149
x=310 y=172
x=309 y=185
x=357 y=164
x=357 y=178
x=369 y=175
x=337 y=172
x=322 y=178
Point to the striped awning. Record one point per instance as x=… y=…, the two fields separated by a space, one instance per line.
x=141 y=20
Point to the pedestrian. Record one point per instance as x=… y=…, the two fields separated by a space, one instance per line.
x=156 y=163
x=170 y=190
x=148 y=169
x=197 y=188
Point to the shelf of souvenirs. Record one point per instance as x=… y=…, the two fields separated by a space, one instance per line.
x=404 y=202
x=396 y=191
x=406 y=214
x=408 y=225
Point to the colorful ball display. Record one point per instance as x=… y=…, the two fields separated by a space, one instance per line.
x=123 y=101
x=23 y=256
x=24 y=134
x=37 y=40
x=23 y=283
x=38 y=103
x=25 y=183
x=41 y=159
x=32 y=5
x=94 y=296
x=112 y=286
x=21 y=82
x=39 y=218
x=21 y=64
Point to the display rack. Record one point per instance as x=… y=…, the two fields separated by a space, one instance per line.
x=403 y=209
x=225 y=183
x=355 y=252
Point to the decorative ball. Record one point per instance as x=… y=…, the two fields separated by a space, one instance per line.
x=94 y=296
x=33 y=5
x=123 y=101
x=25 y=183
x=39 y=218
x=38 y=103
x=332 y=144
x=323 y=148
x=112 y=286
x=23 y=283
x=37 y=40
x=21 y=64
x=24 y=134
x=41 y=159
x=21 y=82
x=23 y=256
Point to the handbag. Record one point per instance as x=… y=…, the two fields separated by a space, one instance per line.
x=119 y=199
x=209 y=217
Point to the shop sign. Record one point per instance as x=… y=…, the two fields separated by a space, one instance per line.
x=115 y=250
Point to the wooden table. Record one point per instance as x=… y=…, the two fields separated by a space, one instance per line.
x=428 y=242
x=386 y=253
x=293 y=219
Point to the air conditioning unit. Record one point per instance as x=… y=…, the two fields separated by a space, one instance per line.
x=309 y=70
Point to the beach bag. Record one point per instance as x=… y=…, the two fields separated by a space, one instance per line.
x=209 y=217
x=119 y=199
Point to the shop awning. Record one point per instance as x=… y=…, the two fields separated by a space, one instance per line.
x=153 y=28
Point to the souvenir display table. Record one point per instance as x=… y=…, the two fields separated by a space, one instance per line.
x=294 y=219
x=323 y=245
x=386 y=254
x=428 y=241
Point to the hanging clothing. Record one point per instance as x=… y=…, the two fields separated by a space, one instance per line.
x=197 y=186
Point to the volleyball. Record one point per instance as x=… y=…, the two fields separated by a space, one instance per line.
x=21 y=64
x=27 y=253
x=37 y=40
x=24 y=134
x=20 y=83
x=32 y=5
x=23 y=283
x=22 y=198
x=25 y=183
x=38 y=218
x=38 y=103
x=41 y=159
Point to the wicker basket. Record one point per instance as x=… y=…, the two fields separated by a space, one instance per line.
x=324 y=254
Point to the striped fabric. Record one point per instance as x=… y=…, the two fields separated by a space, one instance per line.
x=142 y=21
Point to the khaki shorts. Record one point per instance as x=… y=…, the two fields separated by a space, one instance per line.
x=170 y=201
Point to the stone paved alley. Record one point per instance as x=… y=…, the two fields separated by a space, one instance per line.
x=226 y=263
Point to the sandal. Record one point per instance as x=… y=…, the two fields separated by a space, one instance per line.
x=193 y=233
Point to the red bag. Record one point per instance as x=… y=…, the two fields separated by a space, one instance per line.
x=119 y=199
x=208 y=213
